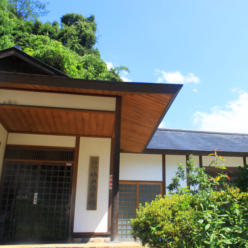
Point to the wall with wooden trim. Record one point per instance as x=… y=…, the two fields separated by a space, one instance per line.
x=92 y=220
x=3 y=139
x=41 y=140
x=56 y=100
x=229 y=161
x=143 y=167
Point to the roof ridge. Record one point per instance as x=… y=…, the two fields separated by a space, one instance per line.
x=199 y=131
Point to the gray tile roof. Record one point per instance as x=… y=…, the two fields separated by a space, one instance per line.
x=177 y=139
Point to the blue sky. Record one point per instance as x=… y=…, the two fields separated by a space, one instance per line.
x=202 y=44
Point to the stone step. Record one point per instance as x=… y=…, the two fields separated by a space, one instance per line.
x=79 y=245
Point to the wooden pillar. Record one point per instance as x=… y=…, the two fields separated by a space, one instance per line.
x=110 y=190
x=200 y=161
x=187 y=171
x=244 y=161
x=116 y=170
x=73 y=189
x=164 y=174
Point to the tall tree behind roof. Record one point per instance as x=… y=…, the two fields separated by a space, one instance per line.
x=27 y=9
x=6 y=25
x=68 y=46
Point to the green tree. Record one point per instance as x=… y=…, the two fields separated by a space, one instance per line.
x=52 y=52
x=27 y=9
x=68 y=46
x=6 y=26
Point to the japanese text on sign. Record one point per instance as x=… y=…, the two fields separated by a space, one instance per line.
x=93 y=183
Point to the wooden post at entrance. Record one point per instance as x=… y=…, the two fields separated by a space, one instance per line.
x=116 y=169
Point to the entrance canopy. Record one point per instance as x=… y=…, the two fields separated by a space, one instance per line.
x=143 y=107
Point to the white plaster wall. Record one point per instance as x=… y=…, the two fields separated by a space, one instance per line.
x=3 y=139
x=92 y=220
x=57 y=100
x=41 y=140
x=171 y=168
x=229 y=161
x=143 y=167
x=196 y=160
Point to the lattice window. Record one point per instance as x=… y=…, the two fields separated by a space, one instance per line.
x=131 y=194
x=39 y=154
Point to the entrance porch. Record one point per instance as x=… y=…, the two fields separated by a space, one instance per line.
x=51 y=130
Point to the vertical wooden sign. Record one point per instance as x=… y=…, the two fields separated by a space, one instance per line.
x=93 y=183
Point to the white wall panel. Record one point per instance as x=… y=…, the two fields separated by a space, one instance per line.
x=196 y=160
x=229 y=161
x=92 y=220
x=171 y=168
x=3 y=139
x=57 y=100
x=143 y=167
x=41 y=140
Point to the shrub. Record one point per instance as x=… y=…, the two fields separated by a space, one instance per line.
x=195 y=218
x=242 y=180
x=221 y=219
x=166 y=222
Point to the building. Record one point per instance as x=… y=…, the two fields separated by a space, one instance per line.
x=78 y=156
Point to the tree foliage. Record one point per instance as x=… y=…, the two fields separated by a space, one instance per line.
x=52 y=52
x=6 y=26
x=27 y=9
x=67 y=46
x=242 y=180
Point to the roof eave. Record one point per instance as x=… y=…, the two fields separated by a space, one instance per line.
x=13 y=51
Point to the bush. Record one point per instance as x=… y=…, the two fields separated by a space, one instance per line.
x=214 y=220
x=195 y=218
x=242 y=180
x=166 y=222
x=221 y=219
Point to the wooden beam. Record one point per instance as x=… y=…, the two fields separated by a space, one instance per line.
x=75 y=83
x=194 y=152
x=28 y=107
x=59 y=134
x=73 y=190
x=116 y=171
x=164 y=174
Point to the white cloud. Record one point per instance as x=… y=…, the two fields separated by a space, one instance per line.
x=125 y=79
x=109 y=65
x=195 y=90
x=237 y=90
x=125 y=72
x=162 y=125
x=232 y=117
x=176 y=77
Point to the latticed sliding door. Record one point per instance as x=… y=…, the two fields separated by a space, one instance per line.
x=131 y=194
x=51 y=211
x=20 y=218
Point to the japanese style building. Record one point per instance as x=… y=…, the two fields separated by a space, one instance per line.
x=78 y=156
